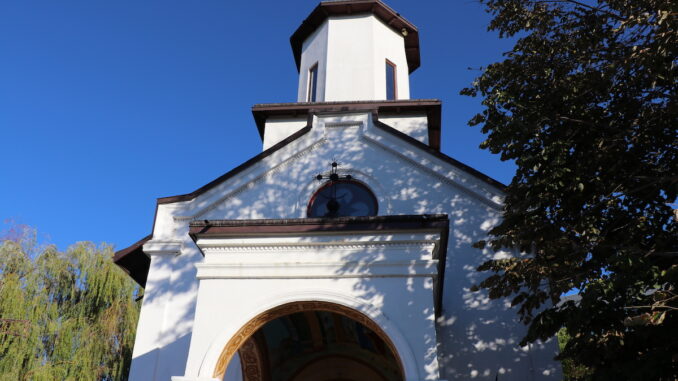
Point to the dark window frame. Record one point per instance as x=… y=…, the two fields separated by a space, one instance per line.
x=312 y=95
x=394 y=78
x=330 y=183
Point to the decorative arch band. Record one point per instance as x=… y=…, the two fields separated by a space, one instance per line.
x=251 y=327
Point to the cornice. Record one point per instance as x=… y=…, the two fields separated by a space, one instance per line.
x=159 y=247
x=317 y=247
x=331 y=270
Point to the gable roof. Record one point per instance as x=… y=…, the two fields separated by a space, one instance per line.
x=380 y=10
x=133 y=260
x=263 y=111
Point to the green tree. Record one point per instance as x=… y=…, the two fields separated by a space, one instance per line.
x=586 y=105
x=64 y=315
x=571 y=370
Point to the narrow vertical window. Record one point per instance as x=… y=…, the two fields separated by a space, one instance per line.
x=391 y=84
x=313 y=83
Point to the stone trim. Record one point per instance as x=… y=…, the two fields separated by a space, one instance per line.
x=336 y=270
x=249 y=329
x=158 y=247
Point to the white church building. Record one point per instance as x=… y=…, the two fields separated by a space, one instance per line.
x=341 y=252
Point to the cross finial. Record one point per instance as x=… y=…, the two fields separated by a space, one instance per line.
x=333 y=176
x=332 y=203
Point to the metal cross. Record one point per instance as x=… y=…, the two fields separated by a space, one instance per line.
x=332 y=204
x=333 y=176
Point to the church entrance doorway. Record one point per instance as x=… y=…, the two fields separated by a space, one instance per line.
x=307 y=341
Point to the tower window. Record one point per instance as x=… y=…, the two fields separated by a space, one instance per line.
x=313 y=83
x=391 y=84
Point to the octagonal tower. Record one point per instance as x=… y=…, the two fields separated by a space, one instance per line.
x=355 y=51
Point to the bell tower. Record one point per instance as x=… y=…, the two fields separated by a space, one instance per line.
x=355 y=51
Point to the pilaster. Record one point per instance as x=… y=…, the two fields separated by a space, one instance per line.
x=148 y=342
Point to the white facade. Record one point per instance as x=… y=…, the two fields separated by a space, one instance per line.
x=277 y=129
x=195 y=306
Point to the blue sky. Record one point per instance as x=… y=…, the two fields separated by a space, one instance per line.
x=107 y=105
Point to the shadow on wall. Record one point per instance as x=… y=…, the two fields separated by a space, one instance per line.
x=477 y=338
x=173 y=348
x=174 y=282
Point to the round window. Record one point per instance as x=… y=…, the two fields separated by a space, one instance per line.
x=341 y=199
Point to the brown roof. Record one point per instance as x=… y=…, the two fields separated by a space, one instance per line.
x=133 y=260
x=341 y=8
x=431 y=107
x=207 y=228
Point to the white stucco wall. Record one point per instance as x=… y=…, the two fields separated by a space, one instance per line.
x=314 y=50
x=168 y=307
x=351 y=53
x=414 y=125
x=234 y=371
x=390 y=45
x=398 y=315
x=478 y=337
x=278 y=129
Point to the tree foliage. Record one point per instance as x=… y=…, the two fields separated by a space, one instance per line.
x=585 y=104
x=64 y=315
x=571 y=370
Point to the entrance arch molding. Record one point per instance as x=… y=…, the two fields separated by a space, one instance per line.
x=225 y=343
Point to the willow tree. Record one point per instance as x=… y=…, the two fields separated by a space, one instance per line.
x=64 y=315
x=586 y=104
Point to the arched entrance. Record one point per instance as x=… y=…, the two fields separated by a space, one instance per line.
x=305 y=341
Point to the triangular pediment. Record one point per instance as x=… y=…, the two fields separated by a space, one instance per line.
x=406 y=176
x=403 y=173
